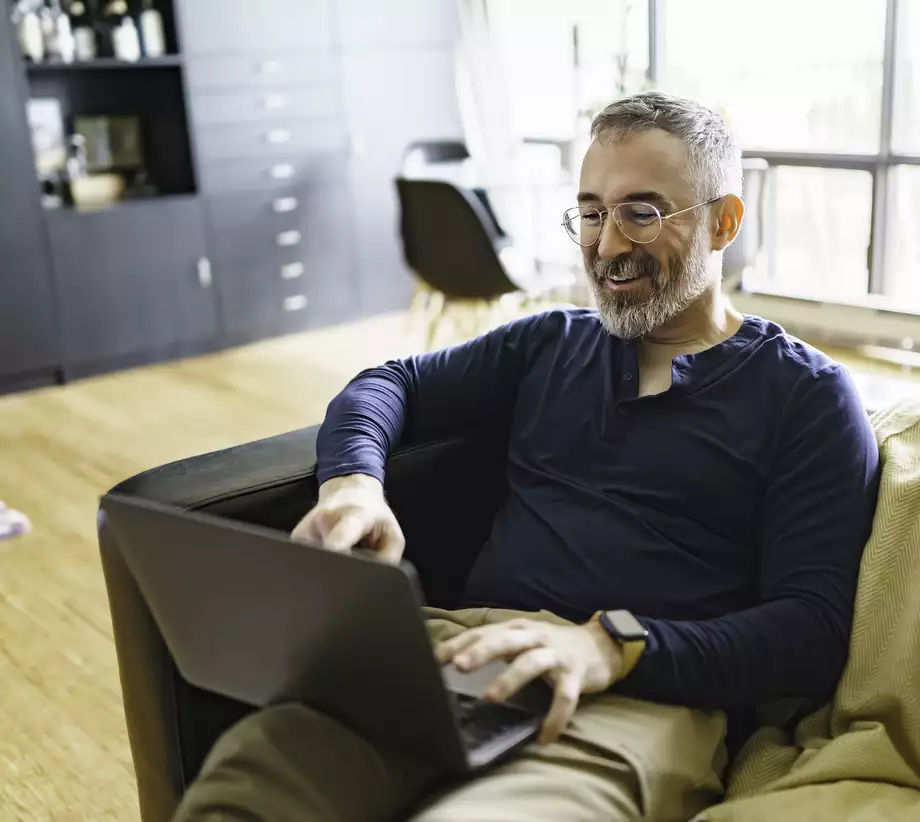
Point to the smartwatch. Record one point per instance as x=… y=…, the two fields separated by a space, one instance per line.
x=628 y=632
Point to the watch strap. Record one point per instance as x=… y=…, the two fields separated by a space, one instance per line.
x=632 y=649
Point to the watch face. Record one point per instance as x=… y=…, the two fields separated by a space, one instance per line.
x=626 y=626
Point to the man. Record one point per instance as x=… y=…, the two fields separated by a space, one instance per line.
x=667 y=456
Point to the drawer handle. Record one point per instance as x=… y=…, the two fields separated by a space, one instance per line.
x=285 y=204
x=281 y=171
x=297 y=302
x=291 y=271
x=269 y=67
x=278 y=136
x=286 y=238
x=205 y=277
x=275 y=101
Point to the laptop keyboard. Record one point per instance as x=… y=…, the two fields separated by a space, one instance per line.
x=481 y=722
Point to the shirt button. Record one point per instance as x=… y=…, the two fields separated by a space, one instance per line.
x=624 y=411
x=628 y=377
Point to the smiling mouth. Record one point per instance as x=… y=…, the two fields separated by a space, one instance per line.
x=624 y=278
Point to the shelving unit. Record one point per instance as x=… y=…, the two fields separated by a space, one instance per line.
x=272 y=132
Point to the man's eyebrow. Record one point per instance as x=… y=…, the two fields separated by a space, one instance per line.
x=647 y=197
x=652 y=197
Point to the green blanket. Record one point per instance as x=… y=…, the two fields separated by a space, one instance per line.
x=857 y=758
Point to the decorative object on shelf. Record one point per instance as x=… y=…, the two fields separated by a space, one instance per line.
x=117 y=32
x=48 y=141
x=113 y=143
x=29 y=29
x=56 y=32
x=97 y=191
x=90 y=191
x=84 y=33
x=153 y=34
x=126 y=41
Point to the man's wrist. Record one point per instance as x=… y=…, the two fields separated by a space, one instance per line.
x=350 y=481
x=630 y=647
x=610 y=650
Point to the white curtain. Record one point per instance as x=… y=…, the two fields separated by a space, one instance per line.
x=484 y=95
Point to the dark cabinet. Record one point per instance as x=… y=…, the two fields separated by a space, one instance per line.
x=28 y=344
x=132 y=280
x=272 y=142
x=282 y=259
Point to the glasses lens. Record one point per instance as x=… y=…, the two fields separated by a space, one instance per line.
x=640 y=222
x=583 y=224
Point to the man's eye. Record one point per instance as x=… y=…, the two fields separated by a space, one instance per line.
x=644 y=216
x=592 y=218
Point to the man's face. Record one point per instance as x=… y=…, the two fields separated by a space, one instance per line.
x=640 y=287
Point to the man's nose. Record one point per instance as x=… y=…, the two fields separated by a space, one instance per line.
x=612 y=241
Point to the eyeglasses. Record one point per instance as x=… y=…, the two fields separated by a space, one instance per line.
x=639 y=222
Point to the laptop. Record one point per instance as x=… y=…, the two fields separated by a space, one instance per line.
x=248 y=613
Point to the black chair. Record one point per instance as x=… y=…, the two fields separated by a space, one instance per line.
x=451 y=242
x=439 y=160
x=171 y=724
x=455 y=247
x=432 y=152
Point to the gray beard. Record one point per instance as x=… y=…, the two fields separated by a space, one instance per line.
x=630 y=316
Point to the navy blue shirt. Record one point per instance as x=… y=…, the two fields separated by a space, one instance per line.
x=729 y=513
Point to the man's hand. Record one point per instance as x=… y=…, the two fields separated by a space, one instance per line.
x=352 y=512
x=576 y=659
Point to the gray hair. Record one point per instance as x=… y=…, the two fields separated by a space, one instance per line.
x=715 y=160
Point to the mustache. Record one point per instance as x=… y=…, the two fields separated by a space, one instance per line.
x=636 y=263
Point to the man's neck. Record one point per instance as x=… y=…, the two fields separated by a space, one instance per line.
x=707 y=322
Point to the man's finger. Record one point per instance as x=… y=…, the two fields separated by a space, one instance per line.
x=566 y=693
x=447 y=650
x=499 y=644
x=347 y=533
x=311 y=528
x=529 y=666
x=391 y=545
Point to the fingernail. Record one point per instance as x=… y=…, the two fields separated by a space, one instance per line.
x=462 y=662
x=492 y=694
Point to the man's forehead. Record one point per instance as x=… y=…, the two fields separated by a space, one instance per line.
x=650 y=160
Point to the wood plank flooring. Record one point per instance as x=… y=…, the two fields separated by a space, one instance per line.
x=63 y=746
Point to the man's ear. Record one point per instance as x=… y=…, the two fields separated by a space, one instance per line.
x=727 y=216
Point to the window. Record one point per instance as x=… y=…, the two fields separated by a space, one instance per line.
x=818 y=226
x=829 y=96
x=826 y=94
x=790 y=75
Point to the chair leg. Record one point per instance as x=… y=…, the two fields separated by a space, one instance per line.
x=437 y=308
x=419 y=306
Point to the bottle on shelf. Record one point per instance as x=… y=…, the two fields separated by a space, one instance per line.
x=67 y=44
x=153 y=34
x=56 y=33
x=29 y=29
x=84 y=34
x=126 y=42
x=107 y=21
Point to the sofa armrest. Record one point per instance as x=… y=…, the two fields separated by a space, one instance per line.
x=444 y=494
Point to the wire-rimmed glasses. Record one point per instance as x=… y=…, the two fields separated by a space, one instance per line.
x=639 y=222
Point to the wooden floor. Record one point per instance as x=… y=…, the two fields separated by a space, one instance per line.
x=63 y=746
